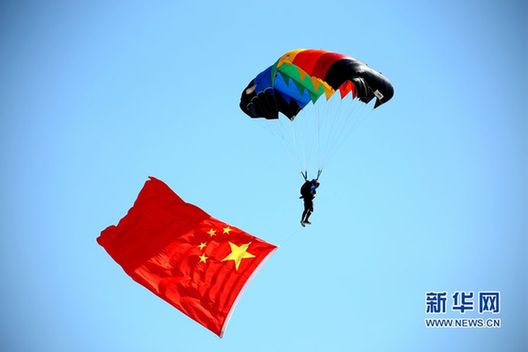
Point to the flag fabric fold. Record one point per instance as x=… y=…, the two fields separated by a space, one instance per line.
x=193 y=261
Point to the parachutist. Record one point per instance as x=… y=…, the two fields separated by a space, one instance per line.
x=308 y=190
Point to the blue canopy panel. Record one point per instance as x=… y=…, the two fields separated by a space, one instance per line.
x=263 y=80
x=291 y=91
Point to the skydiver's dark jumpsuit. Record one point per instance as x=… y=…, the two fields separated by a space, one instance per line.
x=308 y=194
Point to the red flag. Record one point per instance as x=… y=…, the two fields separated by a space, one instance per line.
x=193 y=261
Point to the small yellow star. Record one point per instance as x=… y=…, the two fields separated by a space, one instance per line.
x=227 y=230
x=238 y=253
x=212 y=232
x=203 y=258
x=202 y=245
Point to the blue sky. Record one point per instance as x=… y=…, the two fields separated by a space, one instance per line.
x=429 y=193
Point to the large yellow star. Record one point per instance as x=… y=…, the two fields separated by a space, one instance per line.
x=227 y=230
x=238 y=253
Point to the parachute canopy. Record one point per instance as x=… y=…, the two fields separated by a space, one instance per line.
x=304 y=75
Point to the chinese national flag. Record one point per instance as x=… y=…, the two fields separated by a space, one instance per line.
x=179 y=252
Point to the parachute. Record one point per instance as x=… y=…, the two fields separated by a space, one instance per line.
x=302 y=76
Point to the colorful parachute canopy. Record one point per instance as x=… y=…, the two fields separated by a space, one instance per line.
x=304 y=75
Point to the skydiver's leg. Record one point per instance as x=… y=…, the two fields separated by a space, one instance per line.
x=303 y=216
x=309 y=211
x=305 y=212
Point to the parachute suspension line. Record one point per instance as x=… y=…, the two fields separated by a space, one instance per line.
x=333 y=116
x=311 y=131
x=340 y=123
x=296 y=145
x=318 y=117
x=325 y=128
x=325 y=119
x=305 y=127
x=349 y=117
x=305 y=175
x=299 y=143
x=282 y=133
x=313 y=138
x=345 y=119
x=318 y=130
x=360 y=116
x=355 y=117
x=295 y=148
